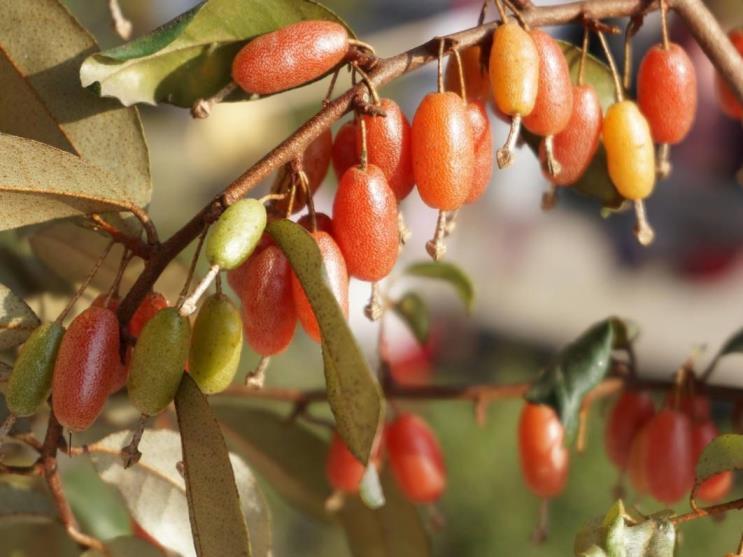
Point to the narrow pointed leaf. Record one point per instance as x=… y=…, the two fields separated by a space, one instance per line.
x=217 y=521
x=413 y=311
x=733 y=345
x=17 y=320
x=353 y=392
x=191 y=57
x=447 y=272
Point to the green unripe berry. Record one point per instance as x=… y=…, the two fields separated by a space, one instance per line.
x=216 y=344
x=158 y=360
x=235 y=235
x=30 y=382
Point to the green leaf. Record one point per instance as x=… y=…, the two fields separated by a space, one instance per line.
x=213 y=504
x=125 y=546
x=353 y=392
x=25 y=496
x=191 y=57
x=447 y=272
x=578 y=368
x=295 y=468
x=413 y=311
x=723 y=453
x=41 y=49
x=155 y=491
x=595 y=182
x=17 y=320
x=733 y=345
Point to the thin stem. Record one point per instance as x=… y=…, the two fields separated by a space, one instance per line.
x=368 y=82
x=113 y=291
x=364 y=155
x=663 y=164
x=132 y=243
x=202 y=108
x=85 y=283
x=664 y=24
x=6 y=426
x=501 y=11
x=440 y=66
x=735 y=505
x=553 y=165
x=305 y=184
x=436 y=247
x=631 y=30
x=375 y=308
x=618 y=91
x=504 y=155
x=189 y=304
x=402 y=229
x=255 y=380
x=272 y=197
x=643 y=231
x=517 y=14
x=130 y=454
x=583 y=54
x=541 y=531
x=333 y=81
x=362 y=44
x=121 y=24
x=460 y=71
x=192 y=267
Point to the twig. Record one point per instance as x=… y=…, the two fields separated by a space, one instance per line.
x=712 y=510
x=121 y=24
x=132 y=243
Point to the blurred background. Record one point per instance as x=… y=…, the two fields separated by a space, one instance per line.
x=540 y=279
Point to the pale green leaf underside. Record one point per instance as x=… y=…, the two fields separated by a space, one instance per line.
x=17 y=320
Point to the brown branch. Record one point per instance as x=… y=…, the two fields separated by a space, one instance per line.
x=135 y=245
x=735 y=505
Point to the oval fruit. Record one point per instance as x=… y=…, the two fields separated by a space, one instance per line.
x=416 y=459
x=235 y=235
x=544 y=458
x=669 y=464
x=343 y=470
x=443 y=151
x=554 y=102
x=716 y=487
x=483 y=142
x=322 y=222
x=337 y=275
x=729 y=103
x=636 y=468
x=667 y=92
x=148 y=307
x=630 y=414
x=158 y=361
x=514 y=70
x=365 y=223
x=216 y=344
x=88 y=358
x=476 y=79
x=315 y=163
x=345 y=155
x=30 y=382
x=290 y=56
x=630 y=154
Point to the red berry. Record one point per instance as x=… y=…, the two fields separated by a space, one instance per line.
x=269 y=315
x=696 y=406
x=344 y=472
x=88 y=358
x=236 y=277
x=667 y=92
x=483 y=141
x=636 y=467
x=716 y=487
x=315 y=163
x=554 y=103
x=335 y=268
x=544 y=458
x=669 y=465
x=365 y=223
x=476 y=78
x=416 y=459
x=290 y=56
x=345 y=154
x=728 y=101
x=322 y=222
x=388 y=147
x=443 y=151
x=148 y=307
x=630 y=414
x=101 y=301
x=575 y=146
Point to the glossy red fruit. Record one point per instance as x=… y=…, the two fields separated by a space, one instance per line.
x=148 y=307
x=728 y=101
x=544 y=458
x=290 y=56
x=696 y=406
x=345 y=154
x=388 y=147
x=269 y=315
x=716 y=487
x=415 y=458
x=322 y=222
x=104 y=300
x=669 y=463
x=344 y=472
x=315 y=163
x=483 y=142
x=476 y=78
x=630 y=414
x=443 y=151
x=636 y=468
x=236 y=277
x=118 y=380
x=365 y=223
x=575 y=146
x=667 y=92
x=88 y=358
x=335 y=267
x=554 y=102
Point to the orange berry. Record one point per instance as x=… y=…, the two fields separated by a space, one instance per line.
x=443 y=151
x=483 y=140
x=345 y=154
x=544 y=458
x=290 y=56
x=148 y=307
x=476 y=80
x=514 y=69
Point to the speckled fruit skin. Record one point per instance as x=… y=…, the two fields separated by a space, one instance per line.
x=236 y=277
x=315 y=163
x=343 y=471
x=88 y=358
x=729 y=103
x=575 y=146
x=483 y=141
x=630 y=154
x=667 y=92
x=636 y=469
x=322 y=222
x=337 y=274
x=514 y=70
x=669 y=466
x=344 y=154
x=716 y=487
x=30 y=382
x=157 y=364
x=629 y=415
x=388 y=147
x=415 y=458
x=148 y=307
x=216 y=344
x=365 y=223
x=269 y=315
x=476 y=79
x=544 y=458
x=554 y=103
x=290 y=56
x=443 y=151
x=236 y=233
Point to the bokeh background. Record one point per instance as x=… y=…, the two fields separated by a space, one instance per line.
x=540 y=280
